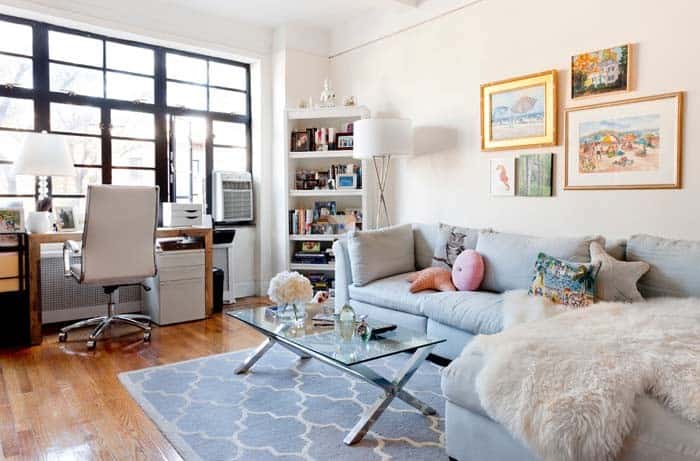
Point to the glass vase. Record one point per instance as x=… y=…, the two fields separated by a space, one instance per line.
x=293 y=313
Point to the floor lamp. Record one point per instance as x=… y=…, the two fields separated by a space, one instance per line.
x=380 y=140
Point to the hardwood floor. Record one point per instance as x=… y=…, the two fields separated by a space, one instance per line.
x=59 y=401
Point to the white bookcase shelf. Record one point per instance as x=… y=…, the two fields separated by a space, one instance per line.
x=300 y=120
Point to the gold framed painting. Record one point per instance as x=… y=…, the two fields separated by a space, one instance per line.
x=630 y=144
x=604 y=71
x=519 y=112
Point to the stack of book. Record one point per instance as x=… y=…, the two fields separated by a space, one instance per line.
x=300 y=220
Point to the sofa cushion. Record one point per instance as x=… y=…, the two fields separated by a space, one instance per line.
x=381 y=253
x=509 y=258
x=674 y=265
x=459 y=382
x=450 y=242
x=390 y=292
x=476 y=312
x=424 y=238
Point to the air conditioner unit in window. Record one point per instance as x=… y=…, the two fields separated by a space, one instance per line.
x=232 y=196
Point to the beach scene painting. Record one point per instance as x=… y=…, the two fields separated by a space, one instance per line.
x=518 y=113
x=601 y=71
x=620 y=145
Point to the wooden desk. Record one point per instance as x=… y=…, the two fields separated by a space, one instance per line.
x=36 y=240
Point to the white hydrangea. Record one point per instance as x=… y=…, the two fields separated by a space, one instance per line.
x=290 y=288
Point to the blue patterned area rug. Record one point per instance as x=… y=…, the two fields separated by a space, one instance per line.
x=285 y=409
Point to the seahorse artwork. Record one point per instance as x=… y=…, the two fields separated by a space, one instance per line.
x=503 y=176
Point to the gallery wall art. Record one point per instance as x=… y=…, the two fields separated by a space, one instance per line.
x=503 y=177
x=600 y=72
x=519 y=112
x=534 y=175
x=629 y=144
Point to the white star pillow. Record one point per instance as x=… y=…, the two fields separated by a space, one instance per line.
x=617 y=280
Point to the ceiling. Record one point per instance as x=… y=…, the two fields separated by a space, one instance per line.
x=274 y=13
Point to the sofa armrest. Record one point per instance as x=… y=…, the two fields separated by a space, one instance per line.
x=343 y=273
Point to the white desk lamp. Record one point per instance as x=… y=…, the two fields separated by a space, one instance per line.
x=43 y=155
x=381 y=139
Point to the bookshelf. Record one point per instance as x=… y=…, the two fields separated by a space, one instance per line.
x=305 y=199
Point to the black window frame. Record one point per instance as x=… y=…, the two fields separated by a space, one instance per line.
x=43 y=97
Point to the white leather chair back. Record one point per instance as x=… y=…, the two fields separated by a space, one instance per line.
x=118 y=244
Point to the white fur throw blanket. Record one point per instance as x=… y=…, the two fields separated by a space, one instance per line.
x=566 y=385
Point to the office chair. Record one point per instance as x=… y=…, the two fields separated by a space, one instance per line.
x=117 y=249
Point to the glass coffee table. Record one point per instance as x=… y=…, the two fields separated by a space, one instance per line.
x=326 y=345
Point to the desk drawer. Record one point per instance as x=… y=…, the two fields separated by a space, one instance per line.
x=181 y=258
x=9 y=265
x=9 y=285
x=181 y=301
x=181 y=273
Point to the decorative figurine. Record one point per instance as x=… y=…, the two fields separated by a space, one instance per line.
x=349 y=101
x=327 y=95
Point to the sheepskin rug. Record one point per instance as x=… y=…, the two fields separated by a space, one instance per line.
x=566 y=384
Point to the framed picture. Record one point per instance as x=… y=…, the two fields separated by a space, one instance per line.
x=11 y=219
x=519 y=112
x=346 y=181
x=503 y=177
x=602 y=71
x=534 y=175
x=301 y=141
x=65 y=218
x=630 y=144
x=344 y=141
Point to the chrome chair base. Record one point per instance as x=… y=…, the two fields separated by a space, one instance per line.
x=137 y=320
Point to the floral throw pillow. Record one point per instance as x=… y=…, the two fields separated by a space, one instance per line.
x=563 y=282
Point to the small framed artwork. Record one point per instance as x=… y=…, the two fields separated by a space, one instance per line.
x=344 y=141
x=346 y=181
x=301 y=141
x=65 y=218
x=11 y=219
x=534 y=175
x=519 y=112
x=601 y=72
x=503 y=177
x=629 y=144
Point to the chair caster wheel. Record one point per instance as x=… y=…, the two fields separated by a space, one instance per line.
x=62 y=337
x=91 y=344
x=147 y=336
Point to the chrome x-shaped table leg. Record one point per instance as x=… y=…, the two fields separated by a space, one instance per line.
x=391 y=390
x=263 y=348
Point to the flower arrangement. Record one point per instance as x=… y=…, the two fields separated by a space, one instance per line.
x=291 y=289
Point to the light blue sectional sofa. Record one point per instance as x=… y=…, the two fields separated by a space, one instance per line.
x=371 y=271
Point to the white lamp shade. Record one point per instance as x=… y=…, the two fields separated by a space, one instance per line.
x=44 y=154
x=381 y=137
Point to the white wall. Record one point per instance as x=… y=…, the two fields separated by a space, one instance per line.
x=431 y=73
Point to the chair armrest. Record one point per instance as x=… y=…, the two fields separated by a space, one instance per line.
x=70 y=248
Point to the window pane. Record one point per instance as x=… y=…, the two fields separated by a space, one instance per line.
x=78 y=80
x=78 y=205
x=134 y=153
x=183 y=95
x=75 y=119
x=129 y=58
x=231 y=102
x=129 y=87
x=133 y=177
x=227 y=75
x=85 y=150
x=226 y=159
x=75 y=48
x=181 y=67
x=17 y=113
x=27 y=204
x=16 y=71
x=76 y=184
x=10 y=145
x=129 y=124
x=229 y=134
x=11 y=183
x=21 y=42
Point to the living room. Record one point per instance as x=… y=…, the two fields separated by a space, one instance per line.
x=349 y=229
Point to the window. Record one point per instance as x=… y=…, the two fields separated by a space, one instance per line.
x=115 y=102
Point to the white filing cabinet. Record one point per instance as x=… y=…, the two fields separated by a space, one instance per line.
x=177 y=291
